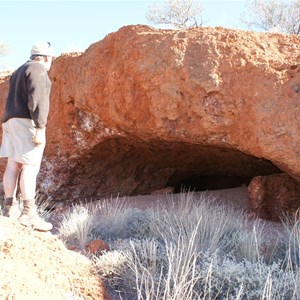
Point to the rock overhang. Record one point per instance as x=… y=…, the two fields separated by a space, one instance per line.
x=222 y=101
x=130 y=166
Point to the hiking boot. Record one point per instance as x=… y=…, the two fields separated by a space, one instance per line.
x=31 y=219
x=10 y=208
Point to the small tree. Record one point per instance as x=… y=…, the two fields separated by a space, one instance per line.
x=180 y=14
x=273 y=15
x=295 y=17
x=4 y=50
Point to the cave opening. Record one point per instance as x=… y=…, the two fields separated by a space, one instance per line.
x=130 y=167
x=195 y=182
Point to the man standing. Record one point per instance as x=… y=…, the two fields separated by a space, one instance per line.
x=23 y=137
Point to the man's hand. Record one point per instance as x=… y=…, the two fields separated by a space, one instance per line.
x=39 y=137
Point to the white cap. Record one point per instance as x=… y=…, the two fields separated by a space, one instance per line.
x=42 y=48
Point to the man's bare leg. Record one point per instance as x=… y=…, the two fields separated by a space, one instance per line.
x=10 y=184
x=10 y=178
x=28 y=181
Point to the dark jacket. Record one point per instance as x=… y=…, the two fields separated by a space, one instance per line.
x=29 y=94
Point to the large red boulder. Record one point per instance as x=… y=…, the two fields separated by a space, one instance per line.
x=143 y=109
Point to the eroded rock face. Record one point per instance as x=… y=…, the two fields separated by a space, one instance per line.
x=144 y=109
x=274 y=196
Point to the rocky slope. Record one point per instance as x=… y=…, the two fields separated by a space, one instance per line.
x=36 y=265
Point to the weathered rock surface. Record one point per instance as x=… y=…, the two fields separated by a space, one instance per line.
x=144 y=109
x=274 y=196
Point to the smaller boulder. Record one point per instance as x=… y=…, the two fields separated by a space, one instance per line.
x=273 y=196
x=97 y=247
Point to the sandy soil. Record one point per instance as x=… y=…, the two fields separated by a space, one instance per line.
x=36 y=265
x=237 y=197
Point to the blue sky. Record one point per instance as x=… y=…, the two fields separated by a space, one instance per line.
x=74 y=25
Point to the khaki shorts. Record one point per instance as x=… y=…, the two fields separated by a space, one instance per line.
x=17 y=134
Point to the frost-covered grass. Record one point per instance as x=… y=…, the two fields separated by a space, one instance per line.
x=191 y=249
